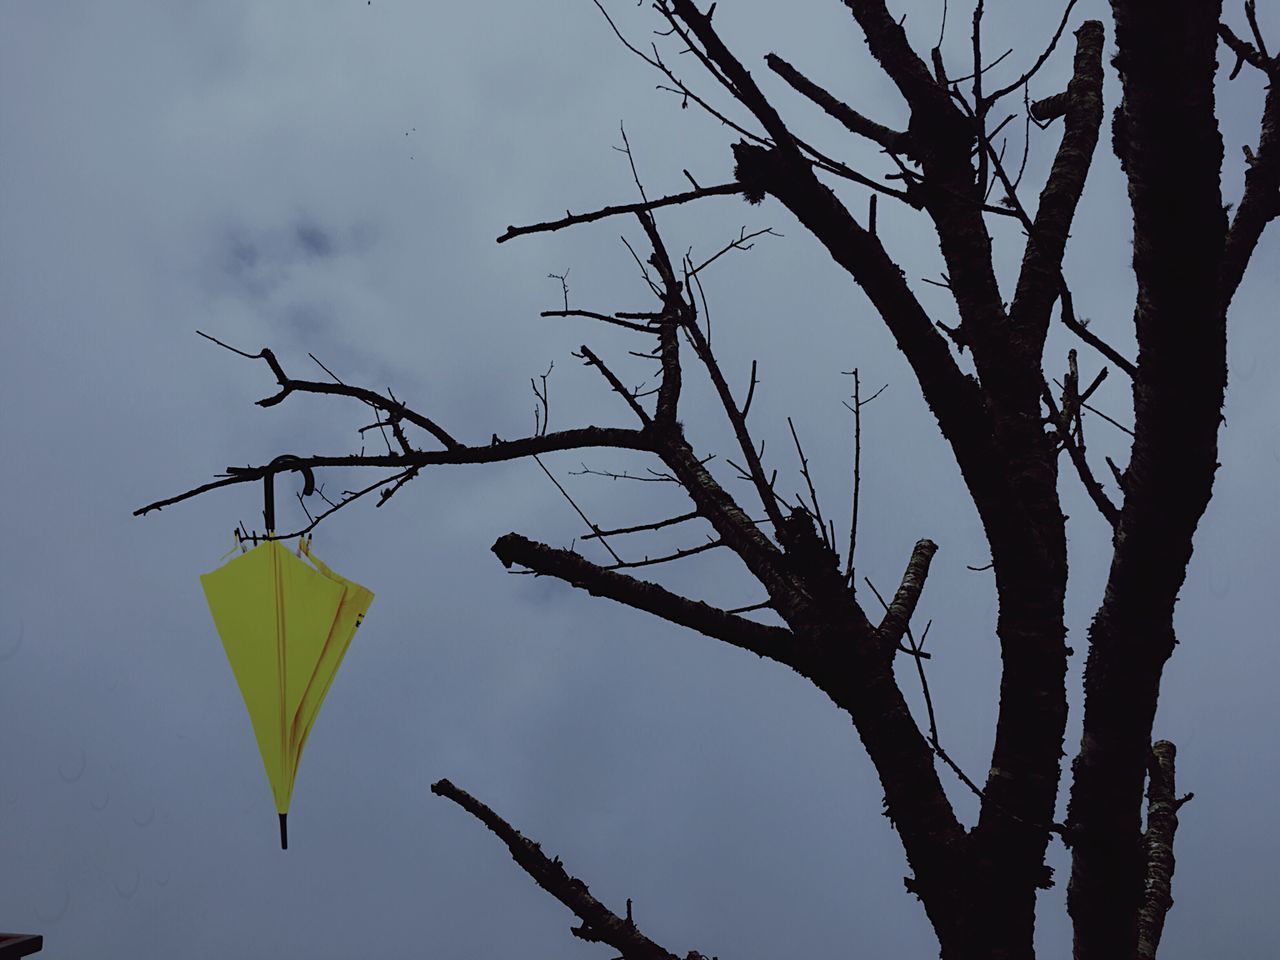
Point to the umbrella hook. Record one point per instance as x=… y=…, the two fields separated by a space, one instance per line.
x=285 y=462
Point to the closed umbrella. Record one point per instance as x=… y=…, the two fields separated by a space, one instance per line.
x=286 y=620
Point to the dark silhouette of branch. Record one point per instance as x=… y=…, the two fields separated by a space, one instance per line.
x=1251 y=14
x=776 y=643
x=680 y=88
x=1166 y=136
x=954 y=399
x=1260 y=203
x=658 y=525
x=738 y=244
x=599 y=924
x=1094 y=410
x=1040 y=61
x=856 y=410
x=725 y=68
x=678 y=555
x=1050 y=108
x=1245 y=51
x=1081 y=330
x=1039 y=279
x=895 y=141
x=599 y=316
x=986 y=67
x=675 y=313
x=813 y=494
x=581 y=438
x=1110 y=512
x=289 y=385
x=1163 y=804
x=761 y=556
x=577 y=509
x=738 y=420
x=979 y=106
x=763 y=605
x=569 y=219
x=916 y=650
x=591 y=360
x=655 y=475
x=898 y=612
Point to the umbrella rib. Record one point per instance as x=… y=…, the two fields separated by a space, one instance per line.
x=282 y=666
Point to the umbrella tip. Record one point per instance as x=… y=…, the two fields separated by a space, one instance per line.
x=284 y=832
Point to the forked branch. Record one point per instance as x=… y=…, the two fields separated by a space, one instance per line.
x=895 y=141
x=289 y=385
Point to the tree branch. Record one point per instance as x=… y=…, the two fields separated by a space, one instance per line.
x=1038 y=281
x=1080 y=330
x=897 y=615
x=677 y=555
x=580 y=438
x=1166 y=133
x=888 y=43
x=657 y=525
x=760 y=555
x=1063 y=291
x=1110 y=512
x=776 y=643
x=1162 y=823
x=599 y=924
x=720 y=190
x=1260 y=203
x=592 y=360
x=738 y=420
x=289 y=385
x=955 y=399
x=1050 y=108
x=640 y=327
x=1040 y=61
x=674 y=315
x=1245 y=51
x=895 y=141
x=726 y=68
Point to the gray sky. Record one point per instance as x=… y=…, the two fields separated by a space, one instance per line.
x=329 y=177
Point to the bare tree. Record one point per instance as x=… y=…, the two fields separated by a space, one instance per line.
x=1006 y=426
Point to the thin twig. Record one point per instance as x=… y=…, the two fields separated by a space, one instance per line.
x=720 y=190
x=592 y=360
x=597 y=532
x=578 y=509
x=857 y=457
x=762 y=605
x=1075 y=449
x=679 y=554
x=1040 y=61
x=813 y=494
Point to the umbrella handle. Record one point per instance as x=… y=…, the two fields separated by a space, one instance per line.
x=269 y=491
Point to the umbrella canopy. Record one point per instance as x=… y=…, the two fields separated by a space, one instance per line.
x=285 y=624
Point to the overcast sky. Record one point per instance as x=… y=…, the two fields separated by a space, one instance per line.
x=329 y=178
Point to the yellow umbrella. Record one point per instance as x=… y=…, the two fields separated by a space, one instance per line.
x=285 y=625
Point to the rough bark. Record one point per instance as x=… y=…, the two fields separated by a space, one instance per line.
x=1167 y=137
x=1162 y=823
